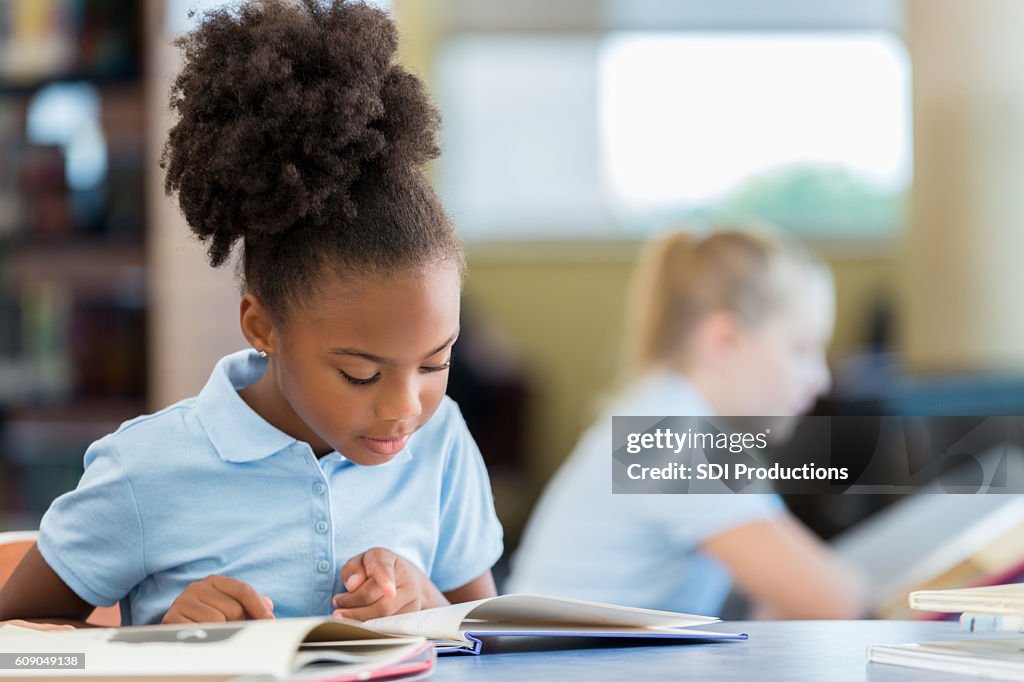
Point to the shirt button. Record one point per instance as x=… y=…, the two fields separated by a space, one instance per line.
x=319 y=488
x=323 y=566
x=321 y=526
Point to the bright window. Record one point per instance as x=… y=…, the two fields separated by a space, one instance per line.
x=622 y=133
x=808 y=130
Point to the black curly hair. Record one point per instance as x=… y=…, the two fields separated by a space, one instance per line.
x=299 y=135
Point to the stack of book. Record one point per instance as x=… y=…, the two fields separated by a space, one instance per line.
x=993 y=614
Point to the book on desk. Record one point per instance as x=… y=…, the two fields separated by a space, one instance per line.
x=993 y=610
x=459 y=628
x=334 y=649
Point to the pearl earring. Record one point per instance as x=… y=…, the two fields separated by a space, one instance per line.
x=263 y=353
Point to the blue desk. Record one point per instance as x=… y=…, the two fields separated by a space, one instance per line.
x=785 y=650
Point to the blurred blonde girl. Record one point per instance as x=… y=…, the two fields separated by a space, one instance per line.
x=735 y=323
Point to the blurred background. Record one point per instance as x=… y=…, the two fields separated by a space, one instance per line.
x=885 y=133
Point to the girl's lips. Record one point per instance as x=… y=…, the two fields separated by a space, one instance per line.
x=389 y=446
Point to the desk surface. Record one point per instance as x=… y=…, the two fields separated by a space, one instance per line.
x=783 y=650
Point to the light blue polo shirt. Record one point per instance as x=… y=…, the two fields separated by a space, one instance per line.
x=207 y=486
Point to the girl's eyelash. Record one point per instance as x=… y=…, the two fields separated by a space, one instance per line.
x=439 y=368
x=360 y=382
x=366 y=382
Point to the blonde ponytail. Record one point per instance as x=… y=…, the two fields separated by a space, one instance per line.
x=679 y=279
x=660 y=267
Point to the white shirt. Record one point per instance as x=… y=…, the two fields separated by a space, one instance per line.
x=585 y=542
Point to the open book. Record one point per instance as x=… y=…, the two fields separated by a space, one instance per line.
x=932 y=540
x=459 y=627
x=338 y=650
x=292 y=649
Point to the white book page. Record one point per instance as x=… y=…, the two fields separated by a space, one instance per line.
x=488 y=627
x=440 y=623
x=910 y=542
x=532 y=609
x=449 y=622
x=243 y=648
x=265 y=647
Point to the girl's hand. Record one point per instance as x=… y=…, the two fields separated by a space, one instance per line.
x=381 y=583
x=216 y=599
x=36 y=626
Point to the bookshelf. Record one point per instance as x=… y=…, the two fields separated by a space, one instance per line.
x=73 y=266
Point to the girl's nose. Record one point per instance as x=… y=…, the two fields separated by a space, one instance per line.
x=401 y=403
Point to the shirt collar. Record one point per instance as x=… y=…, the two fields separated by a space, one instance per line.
x=236 y=431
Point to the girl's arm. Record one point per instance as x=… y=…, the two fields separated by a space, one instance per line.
x=35 y=592
x=478 y=588
x=788 y=572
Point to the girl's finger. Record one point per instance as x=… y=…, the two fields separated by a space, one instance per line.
x=229 y=607
x=173 y=618
x=198 y=612
x=378 y=609
x=353 y=574
x=245 y=594
x=380 y=565
x=364 y=596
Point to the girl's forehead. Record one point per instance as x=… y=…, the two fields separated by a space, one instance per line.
x=387 y=315
x=383 y=292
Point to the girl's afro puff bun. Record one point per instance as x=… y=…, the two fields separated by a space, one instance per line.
x=282 y=107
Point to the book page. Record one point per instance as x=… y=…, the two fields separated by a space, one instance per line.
x=262 y=648
x=449 y=622
x=441 y=623
x=918 y=538
x=491 y=628
x=530 y=609
x=245 y=647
